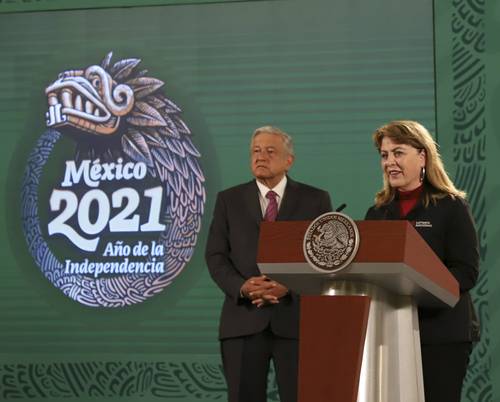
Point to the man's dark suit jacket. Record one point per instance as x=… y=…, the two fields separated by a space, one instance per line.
x=448 y=228
x=231 y=255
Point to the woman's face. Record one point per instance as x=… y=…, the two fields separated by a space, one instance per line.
x=401 y=164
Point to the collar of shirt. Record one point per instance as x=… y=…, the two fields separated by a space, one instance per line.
x=278 y=189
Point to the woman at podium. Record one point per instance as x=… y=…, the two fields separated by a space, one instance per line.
x=417 y=188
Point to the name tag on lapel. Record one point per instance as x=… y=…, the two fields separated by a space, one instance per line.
x=423 y=224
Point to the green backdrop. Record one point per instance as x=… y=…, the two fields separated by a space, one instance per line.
x=328 y=72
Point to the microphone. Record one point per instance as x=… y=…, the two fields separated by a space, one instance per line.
x=341 y=207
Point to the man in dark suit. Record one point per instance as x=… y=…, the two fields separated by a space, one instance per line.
x=260 y=317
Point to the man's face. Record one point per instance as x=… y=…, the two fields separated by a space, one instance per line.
x=269 y=159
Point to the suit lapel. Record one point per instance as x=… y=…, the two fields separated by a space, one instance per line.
x=252 y=203
x=289 y=201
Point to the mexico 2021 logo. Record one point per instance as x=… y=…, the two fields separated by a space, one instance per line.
x=117 y=220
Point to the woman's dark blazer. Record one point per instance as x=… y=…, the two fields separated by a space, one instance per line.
x=447 y=227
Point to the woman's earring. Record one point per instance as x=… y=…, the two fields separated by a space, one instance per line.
x=422 y=174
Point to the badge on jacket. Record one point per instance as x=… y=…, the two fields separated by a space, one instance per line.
x=423 y=224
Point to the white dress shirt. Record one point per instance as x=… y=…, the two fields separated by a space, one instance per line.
x=279 y=189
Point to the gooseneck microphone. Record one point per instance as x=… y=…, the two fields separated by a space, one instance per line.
x=341 y=207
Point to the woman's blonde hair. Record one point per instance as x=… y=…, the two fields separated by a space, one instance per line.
x=414 y=134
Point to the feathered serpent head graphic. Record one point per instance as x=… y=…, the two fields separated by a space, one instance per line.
x=117 y=112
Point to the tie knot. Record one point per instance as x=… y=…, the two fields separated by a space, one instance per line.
x=271 y=195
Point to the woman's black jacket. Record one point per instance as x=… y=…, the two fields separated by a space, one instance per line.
x=447 y=227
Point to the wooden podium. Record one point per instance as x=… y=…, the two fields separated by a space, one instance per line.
x=359 y=333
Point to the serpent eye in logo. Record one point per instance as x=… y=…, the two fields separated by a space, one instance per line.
x=331 y=242
x=118 y=219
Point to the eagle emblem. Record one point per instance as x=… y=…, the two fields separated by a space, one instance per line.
x=331 y=242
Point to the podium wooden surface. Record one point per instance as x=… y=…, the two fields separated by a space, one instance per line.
x=391 y=254
x=331 y=353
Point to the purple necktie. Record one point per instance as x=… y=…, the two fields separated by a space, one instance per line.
x=272 y=207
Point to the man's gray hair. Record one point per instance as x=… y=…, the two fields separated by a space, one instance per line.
x=287 y=139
